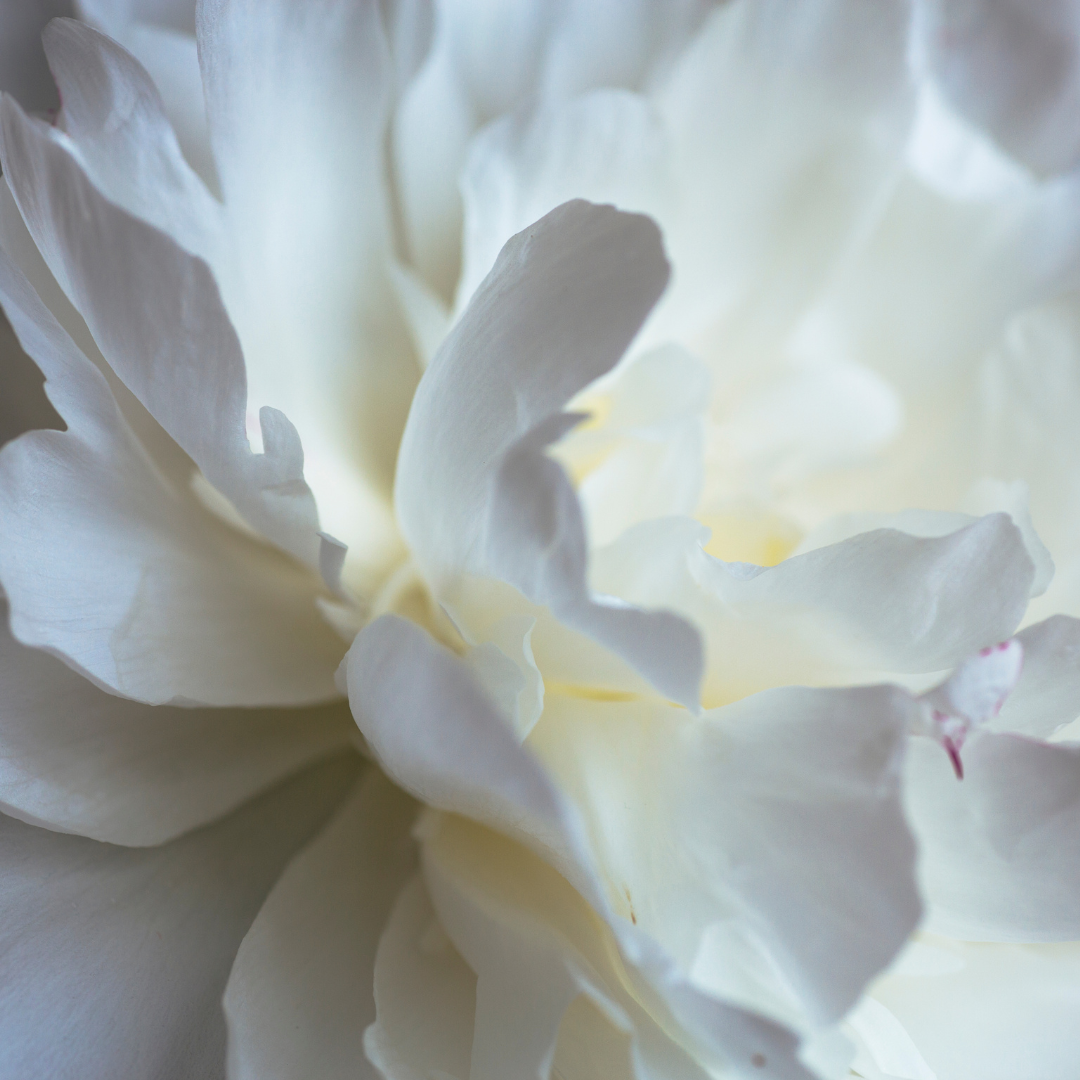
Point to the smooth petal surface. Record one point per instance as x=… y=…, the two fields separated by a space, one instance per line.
x=424 y=996
x=999 y=854
x=114 y=960
x=763 y=844
x=75 y=759
x=307 y=87
x=300 y=993
x=435 y=732
x=156 y=314
x=475 y=491
x=170 y=603
x=988 y=1012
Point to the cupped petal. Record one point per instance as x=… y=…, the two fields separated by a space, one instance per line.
x=1012 y=68
x=999 y=854
x=435 y=731
x=297 y=97
x=114 y=960
x=300 y=993
x=475 y=491
x=78 y=760
x=980 y=1011
x=156 y=314
x=763 y=844
x=131 y=580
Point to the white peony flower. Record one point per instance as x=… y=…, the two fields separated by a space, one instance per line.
x=670 y=557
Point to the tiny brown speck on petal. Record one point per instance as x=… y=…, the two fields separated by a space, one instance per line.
x=758 y=1061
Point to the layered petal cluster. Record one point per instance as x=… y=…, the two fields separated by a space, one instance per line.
x=547 y=545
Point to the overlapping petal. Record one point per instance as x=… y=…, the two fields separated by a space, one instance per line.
x=114 y=960
x=134 y=582
x=300 y=992
x=476 y=494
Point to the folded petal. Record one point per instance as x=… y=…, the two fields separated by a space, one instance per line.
x=475 y=491
x=763 y=844
x=114 y=114
x=435 y=732
x=536 y=948
x=882 y=600
x=130 y=579
x=300 y=992
x=156 y=314
x=114 y=960
x=999 y=854
x=75 y=759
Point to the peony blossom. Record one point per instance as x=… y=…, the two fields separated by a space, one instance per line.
x=556 y=552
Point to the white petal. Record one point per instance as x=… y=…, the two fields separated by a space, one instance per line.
x=994 y=1012
x=114 y=960
x=155 y=312
x=786 y=123
x=879 y=601
x=300 y=992
x=999 y=854
x=114 y=114
x=1013 y=68
x=605 y=146
x=475 y=491
x=424 y=996
x=75 y=759
x=297 y=97
x=434 y=731
x=172 y=604
x=763 y=841
x=1048 y=693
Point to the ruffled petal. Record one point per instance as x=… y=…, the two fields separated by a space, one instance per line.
x=879 y=601
x=476 y=492
x=114 y=114
x=78 y=760
x=764 y=844
x=131 y=580
x=434 y=730
x=114 y=960
x=156 y=314
x=300 y=992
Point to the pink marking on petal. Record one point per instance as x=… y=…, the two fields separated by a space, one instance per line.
x=954 y=756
